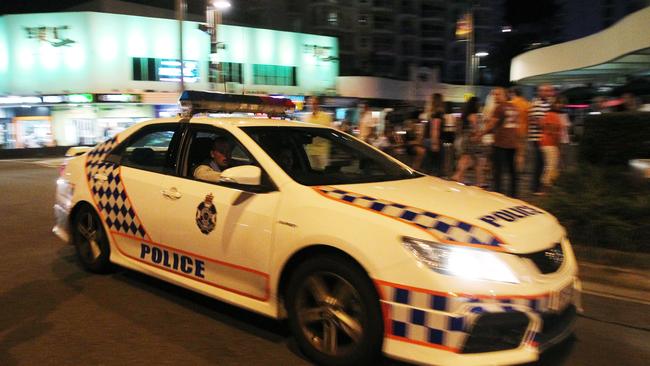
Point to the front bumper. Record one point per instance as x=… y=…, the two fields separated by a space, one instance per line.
x=61 y=223
x=453 y=329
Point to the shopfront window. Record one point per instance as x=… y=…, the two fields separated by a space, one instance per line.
x=109 y=127
x=33 y=132
x=5 y=134
x=85 y=131
x=226 y=72
x=274 y=75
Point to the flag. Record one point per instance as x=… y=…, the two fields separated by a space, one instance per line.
x=464 y=26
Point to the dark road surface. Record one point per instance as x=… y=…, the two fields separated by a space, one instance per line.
x=54 y=313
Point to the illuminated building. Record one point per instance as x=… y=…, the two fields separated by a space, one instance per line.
x=77 y=77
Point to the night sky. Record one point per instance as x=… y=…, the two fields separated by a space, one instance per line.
x=517 y=11
x=38 y=6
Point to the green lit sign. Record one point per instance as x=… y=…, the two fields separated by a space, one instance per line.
x=52 y=35
x=79 y=98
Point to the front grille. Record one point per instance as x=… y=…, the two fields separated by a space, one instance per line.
x=549 y=260
x=496 y=332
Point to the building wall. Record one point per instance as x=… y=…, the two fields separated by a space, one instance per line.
x=381 y=37
x=99 y=49
x=4 y=55
x=315 y=57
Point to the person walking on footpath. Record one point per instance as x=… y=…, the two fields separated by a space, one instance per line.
x=433 y=135
x=472 y=152
x=367 y=124
x=550 y=143
x=319 y=150
x=506 y=139
x=538 y=109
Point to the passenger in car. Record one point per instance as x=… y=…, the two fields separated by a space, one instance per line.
x=210 y=170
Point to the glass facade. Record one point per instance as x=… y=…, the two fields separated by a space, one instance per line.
x=274 y=75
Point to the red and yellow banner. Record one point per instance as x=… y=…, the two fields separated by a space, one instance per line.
x=464 y=26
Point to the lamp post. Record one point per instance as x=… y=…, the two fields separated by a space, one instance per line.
x=181 y=7
x=477 y=58
x=213 y=17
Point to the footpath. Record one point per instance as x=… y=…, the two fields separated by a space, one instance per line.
x=613 y=273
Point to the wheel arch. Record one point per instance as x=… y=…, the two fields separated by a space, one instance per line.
x=75 y=210
x=305 y=253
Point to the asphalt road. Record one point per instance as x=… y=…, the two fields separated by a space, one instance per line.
x=54 y=313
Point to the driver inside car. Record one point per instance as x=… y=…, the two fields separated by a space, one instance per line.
x=219 y=160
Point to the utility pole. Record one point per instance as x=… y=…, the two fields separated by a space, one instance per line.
x=469 y=61
x=213 y=14
x=181 y=7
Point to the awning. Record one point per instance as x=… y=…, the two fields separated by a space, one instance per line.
x=613 y=55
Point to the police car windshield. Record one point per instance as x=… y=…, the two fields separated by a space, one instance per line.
x=321 y=156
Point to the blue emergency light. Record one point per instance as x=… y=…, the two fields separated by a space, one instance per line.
x=193 y=102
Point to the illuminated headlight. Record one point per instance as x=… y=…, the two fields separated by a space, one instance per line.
x=470 y=263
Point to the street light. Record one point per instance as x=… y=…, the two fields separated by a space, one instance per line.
x=221 y=4
x=477 y=62
x=181 y=8
x=213 y=18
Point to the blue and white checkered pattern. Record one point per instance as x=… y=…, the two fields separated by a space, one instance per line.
x=439 y=225
x=96 y=156
x=426 y=326
x=110 y=195
x=447 y=320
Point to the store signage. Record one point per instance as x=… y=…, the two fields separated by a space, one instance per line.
x=68 y=98
x=48 y=99
x=20 y=100
x=79 y=98
x=54 y=98
x=319 y=52
x=118 y=98
x=55 y=36
x=170 y=70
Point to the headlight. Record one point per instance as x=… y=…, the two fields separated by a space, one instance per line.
x=470 y=263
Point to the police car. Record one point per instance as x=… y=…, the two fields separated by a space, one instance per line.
x=362 y=254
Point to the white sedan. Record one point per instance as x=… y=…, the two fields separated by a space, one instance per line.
x=362 y=254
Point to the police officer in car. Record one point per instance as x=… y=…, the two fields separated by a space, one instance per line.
x=211 y=169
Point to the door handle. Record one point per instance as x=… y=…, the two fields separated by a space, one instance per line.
x=172 y=193
x=100 y=177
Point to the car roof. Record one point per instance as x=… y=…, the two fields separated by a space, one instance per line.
x=246 y=121
x=229 y=121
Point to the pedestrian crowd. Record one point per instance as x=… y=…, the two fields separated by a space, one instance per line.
x=501 y=138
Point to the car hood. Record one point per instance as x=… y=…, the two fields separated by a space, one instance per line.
x=512 y=225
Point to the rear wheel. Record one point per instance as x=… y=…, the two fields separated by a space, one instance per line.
x=334 y=312
x=90 y=241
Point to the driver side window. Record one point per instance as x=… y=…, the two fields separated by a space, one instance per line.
x=211 y=151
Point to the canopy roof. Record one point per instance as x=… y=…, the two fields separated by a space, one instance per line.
x=610 y=56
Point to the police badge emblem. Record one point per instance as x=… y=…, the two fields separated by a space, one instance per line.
x=206 y=215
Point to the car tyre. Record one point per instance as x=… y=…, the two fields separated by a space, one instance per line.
x=334 y=312
x=90 y=241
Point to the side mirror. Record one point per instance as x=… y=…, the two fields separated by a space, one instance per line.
x=249 y=175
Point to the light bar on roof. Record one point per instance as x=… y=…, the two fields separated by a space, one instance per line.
x=193 y=102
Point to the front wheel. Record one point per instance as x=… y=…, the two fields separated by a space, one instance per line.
x=90 y=241
x=334 y=312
